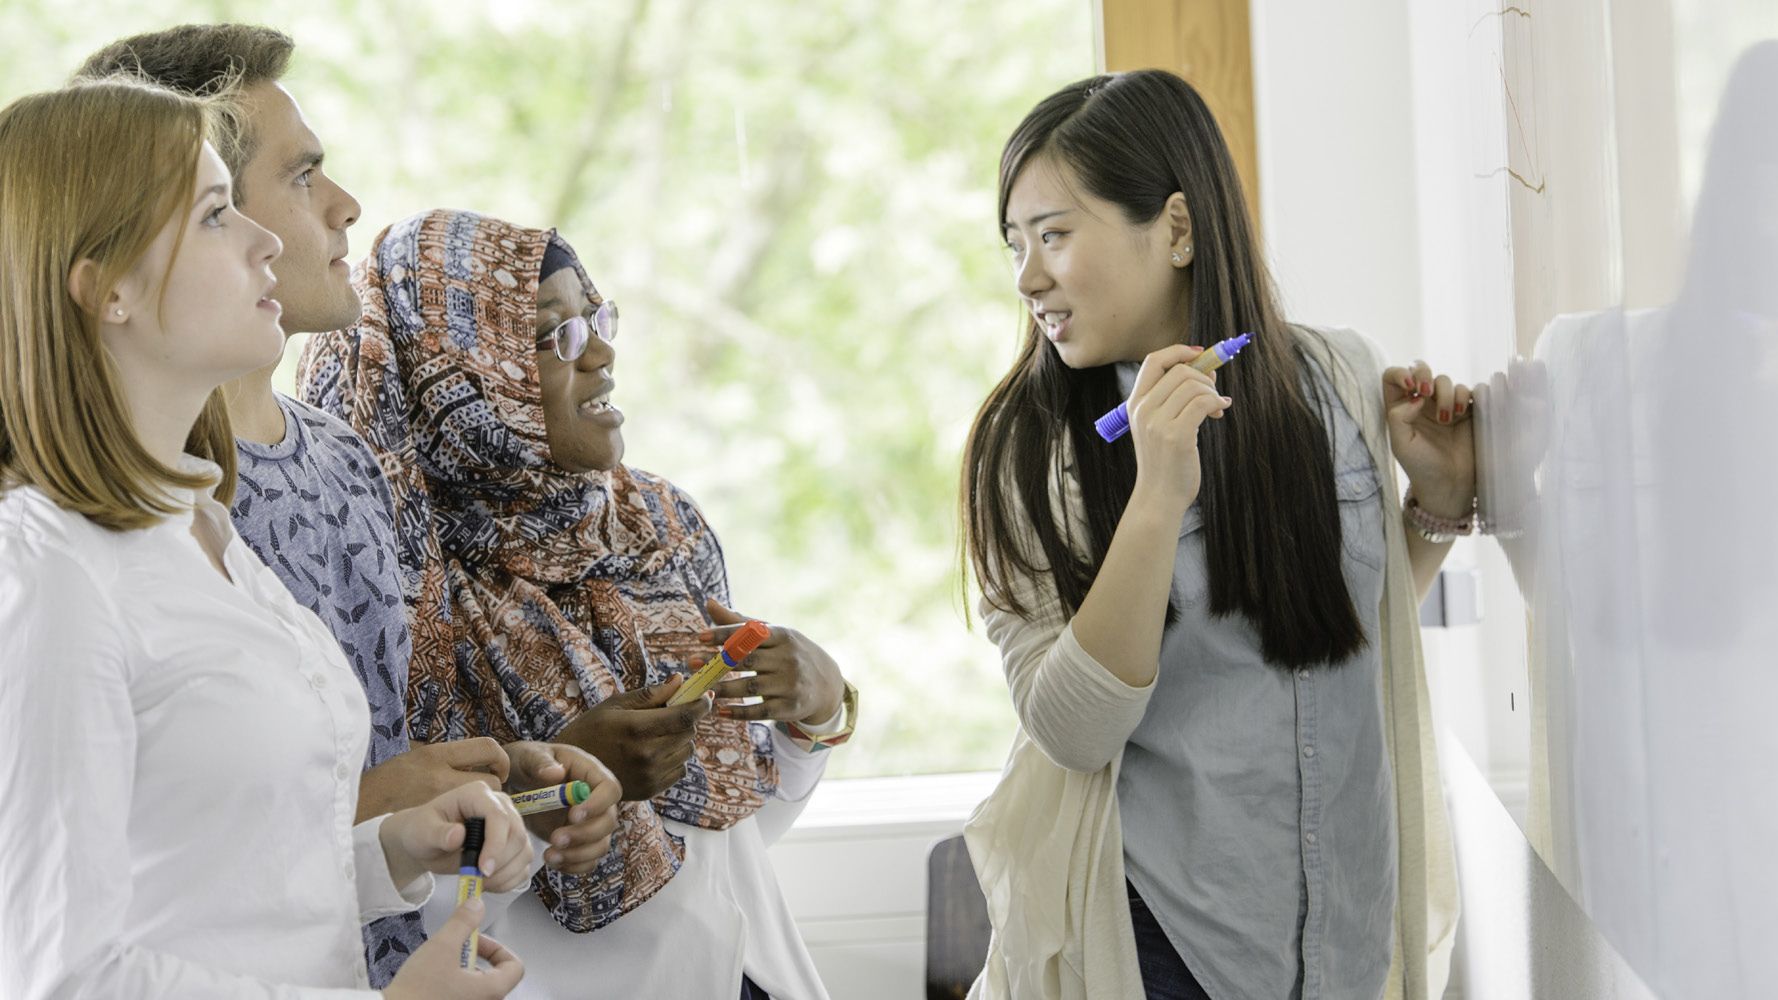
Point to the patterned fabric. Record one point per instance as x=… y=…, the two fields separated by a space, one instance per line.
x=315 y=509
x=565 y=588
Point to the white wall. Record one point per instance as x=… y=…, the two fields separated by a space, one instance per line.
x=1357 y=185
x=854 y=873
x=1334 y=112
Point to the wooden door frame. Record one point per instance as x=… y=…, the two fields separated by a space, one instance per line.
x=1210 y=44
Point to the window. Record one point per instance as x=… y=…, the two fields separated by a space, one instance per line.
x=795 y=205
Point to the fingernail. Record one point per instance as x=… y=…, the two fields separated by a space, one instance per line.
x=552 y=857
x=474 y=903
x=1226 y=401
x=1426 y=388
x=559 y=838
x=1444 y=416
x=706 y=636
x=577 y=816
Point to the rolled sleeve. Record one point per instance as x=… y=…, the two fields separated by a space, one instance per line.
x=799 y=769
x=1076 y=711
x=378 y=895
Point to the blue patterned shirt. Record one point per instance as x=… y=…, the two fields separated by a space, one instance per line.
x=315 y=508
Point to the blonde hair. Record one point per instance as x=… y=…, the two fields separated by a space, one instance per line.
x=91 y=172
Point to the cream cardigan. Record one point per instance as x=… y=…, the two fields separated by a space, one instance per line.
x=1048 y=843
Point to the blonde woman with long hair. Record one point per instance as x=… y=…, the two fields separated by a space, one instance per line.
x=180 y=741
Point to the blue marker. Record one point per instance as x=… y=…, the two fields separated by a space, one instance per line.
x=1116 y=424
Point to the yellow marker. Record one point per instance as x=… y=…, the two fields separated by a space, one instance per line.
x=469 y=881
x=561 y=796
x=738 y=647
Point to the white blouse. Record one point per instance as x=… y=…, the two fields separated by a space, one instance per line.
x=179 y=763
x=722 y=914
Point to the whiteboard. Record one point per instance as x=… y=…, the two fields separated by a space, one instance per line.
x=1616 y=170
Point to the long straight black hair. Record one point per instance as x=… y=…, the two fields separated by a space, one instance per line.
x=1271 y=514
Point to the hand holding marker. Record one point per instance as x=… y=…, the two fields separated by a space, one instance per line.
x=469 y=879
x=739 y=646
x=543 y=800
x=1116 y=424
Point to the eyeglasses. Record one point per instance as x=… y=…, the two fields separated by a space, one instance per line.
x=570 y=337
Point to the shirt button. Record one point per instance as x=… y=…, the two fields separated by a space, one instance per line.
x=351 y=873
x=342 y=772
x=1310 y=837
x=1308 y=751
x=1302 y=673
x=317 y=681
x=572 y=689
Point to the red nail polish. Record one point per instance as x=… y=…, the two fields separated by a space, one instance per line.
x=1426 y=388
x=1444 y=416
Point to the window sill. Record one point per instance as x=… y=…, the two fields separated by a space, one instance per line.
x=927 y=804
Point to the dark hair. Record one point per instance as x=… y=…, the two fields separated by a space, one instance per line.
x=1271 y=515
x=202 y=59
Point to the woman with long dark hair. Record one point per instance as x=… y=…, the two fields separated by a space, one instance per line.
x=1209 y=625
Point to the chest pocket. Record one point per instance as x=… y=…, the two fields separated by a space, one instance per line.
x=1361 y=516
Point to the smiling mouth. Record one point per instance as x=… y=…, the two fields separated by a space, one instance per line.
x=1053 y=322
x=598 y=404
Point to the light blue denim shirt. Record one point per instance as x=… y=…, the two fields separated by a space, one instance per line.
x=1257 y=803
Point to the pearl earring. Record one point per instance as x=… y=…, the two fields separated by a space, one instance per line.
x=119 y=313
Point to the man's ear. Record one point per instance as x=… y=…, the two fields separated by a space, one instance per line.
x=1179 y=226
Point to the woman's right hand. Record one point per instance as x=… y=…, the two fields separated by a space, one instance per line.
x=645 y=743
x=1170 y=402
x=435 y=970
x=429 y=838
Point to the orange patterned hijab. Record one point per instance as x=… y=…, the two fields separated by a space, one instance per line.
x=545 y=591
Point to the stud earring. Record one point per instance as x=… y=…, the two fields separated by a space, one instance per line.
x=118 y=312
x=1177 y=259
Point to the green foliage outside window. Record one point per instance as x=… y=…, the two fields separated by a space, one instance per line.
x=794 y=203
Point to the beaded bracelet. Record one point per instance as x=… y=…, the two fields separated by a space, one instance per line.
x=1435 y=529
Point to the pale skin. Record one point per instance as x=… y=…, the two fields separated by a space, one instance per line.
x=179 y=326
x=286 y=190
x=1106 y=291
x=646 y=743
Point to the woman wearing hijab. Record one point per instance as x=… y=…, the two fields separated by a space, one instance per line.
x=579 y=592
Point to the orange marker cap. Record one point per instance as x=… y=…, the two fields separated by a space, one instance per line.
x=742 y=644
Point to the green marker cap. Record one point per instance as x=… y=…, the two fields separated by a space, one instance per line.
x=579 y=792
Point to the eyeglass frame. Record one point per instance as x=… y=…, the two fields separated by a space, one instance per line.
x=603 y=325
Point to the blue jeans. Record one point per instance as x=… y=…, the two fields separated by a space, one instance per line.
x=1164 y=975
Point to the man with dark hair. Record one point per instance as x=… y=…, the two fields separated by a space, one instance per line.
x=311 y=500
x=198 y=59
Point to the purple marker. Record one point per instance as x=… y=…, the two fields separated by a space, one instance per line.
x=1116 y=424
